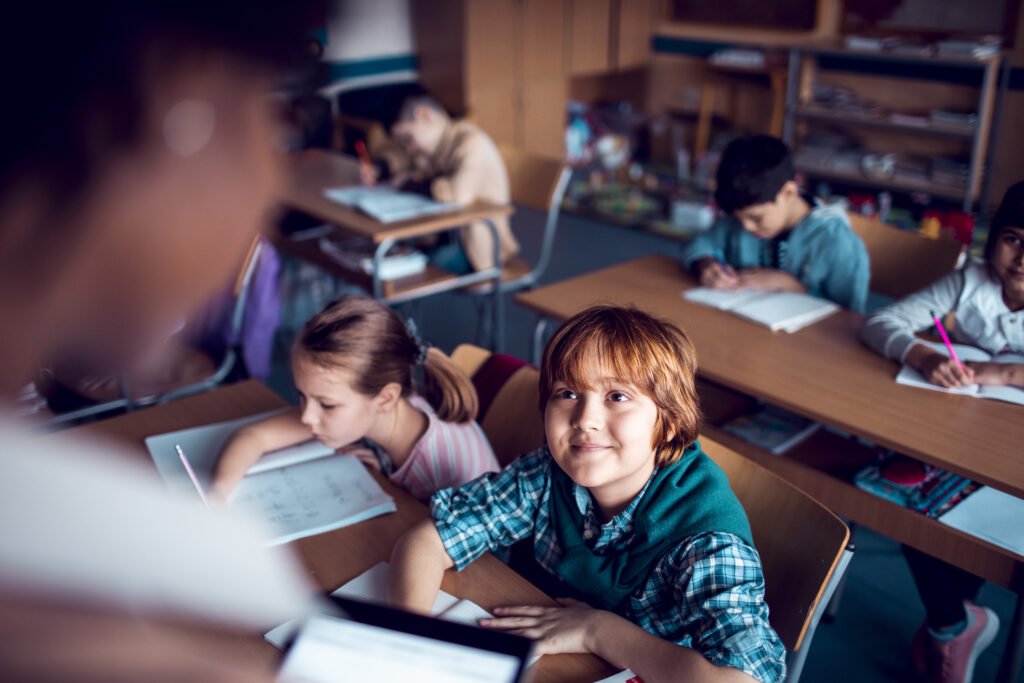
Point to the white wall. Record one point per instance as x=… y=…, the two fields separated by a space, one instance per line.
x=364 y=29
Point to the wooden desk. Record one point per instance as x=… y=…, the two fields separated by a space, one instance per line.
x=825 y=373
x=312 y=171
x=336 y=557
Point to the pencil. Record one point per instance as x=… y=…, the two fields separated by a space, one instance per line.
x=191 y=474
x=364 y=158
x=945 y=338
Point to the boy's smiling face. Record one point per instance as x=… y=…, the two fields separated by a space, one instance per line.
x=601 y=435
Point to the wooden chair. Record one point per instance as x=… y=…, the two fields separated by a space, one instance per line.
x=902 y=262
x=509 y=400
x=538 y=183
x=804 y=548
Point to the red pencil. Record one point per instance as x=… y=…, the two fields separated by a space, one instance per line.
x=364 y=158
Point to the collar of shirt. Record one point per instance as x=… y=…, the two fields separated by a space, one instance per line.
x=617 y=527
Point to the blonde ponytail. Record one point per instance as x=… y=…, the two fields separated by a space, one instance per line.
x=447 y=388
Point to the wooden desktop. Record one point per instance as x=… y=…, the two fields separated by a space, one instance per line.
x=336 y=557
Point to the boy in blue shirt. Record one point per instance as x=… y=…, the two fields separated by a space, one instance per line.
x=771 y=237
x=625 y=513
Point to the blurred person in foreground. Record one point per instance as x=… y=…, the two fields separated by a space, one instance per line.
x=138 y=163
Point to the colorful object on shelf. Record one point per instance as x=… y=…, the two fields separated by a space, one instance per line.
x=932 y=494
x=931 y=224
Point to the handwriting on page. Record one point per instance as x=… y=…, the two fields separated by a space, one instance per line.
x=315 y=495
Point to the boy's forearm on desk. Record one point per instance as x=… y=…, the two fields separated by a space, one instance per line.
x=418 y=563
x=627 y=646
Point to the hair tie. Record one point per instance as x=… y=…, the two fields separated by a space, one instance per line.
x=422 y=347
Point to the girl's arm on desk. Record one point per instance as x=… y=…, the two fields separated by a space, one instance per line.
x=246 y=446
x=939 y=368
x=997 y=374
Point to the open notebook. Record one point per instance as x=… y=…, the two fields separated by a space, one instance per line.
x=912 y=377
x=388 y=205
x=299 y=491
x=788 y=311
x=371 y=586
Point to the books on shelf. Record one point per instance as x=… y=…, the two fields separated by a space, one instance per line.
x=371 y=586
x=771 y=428
x=911 y=377
x=987 y=46
x=788 y=311
x=919 y=486
x=298 y=491
x=991 y=515
x=743 y=58
x=357 y=254
x=388 y=205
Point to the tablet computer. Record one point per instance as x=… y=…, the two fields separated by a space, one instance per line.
x=373 y=643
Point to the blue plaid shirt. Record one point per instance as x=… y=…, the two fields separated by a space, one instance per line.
x=707 y=593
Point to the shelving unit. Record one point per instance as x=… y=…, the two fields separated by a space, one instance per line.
x=803 y=64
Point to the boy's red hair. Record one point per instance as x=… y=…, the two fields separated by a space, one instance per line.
x=653 y=355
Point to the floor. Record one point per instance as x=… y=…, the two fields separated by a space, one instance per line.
x=879 y=610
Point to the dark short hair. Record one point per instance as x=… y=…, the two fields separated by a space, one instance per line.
x=1009 y=214
x=752 y=171
x=404 y=101
x=76 y=73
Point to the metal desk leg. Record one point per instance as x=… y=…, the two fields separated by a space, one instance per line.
x=378 y=259
x=537 y=342
x=499 y=312
x=1013 y=657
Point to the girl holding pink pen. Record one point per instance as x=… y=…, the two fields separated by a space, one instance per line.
x=987 y=298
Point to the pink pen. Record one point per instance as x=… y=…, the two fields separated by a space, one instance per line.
x=945 y=338
x=191 y=474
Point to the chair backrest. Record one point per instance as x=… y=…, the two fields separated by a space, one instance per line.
x=508 y=389
x=539 y=183
x=800 y=541
x=902 y=262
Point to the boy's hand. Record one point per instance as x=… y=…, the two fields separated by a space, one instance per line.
x=568 y=628
x=717 y=275
x=995 y=374
x=368 y=174
x=770 y=279
x=938 y=368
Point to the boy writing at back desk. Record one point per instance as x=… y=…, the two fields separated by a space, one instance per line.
x=773 y=238
x=624 y=511
x=460 y=164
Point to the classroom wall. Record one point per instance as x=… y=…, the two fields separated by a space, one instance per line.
x=369 y=42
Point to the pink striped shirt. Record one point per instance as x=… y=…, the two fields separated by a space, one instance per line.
x=447 y=454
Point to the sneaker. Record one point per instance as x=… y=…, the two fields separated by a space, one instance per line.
x=953 y=661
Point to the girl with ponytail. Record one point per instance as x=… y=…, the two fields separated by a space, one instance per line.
x=369 y=386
